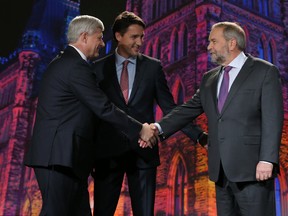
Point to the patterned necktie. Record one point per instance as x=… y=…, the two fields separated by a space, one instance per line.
x=124 y=81
x=223 y=92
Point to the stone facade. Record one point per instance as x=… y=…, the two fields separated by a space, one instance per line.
x=177 y=33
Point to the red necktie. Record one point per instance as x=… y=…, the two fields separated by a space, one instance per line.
x=223 y=92
x=124 y=81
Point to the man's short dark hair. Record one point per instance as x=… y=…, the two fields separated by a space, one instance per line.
x=124 y=20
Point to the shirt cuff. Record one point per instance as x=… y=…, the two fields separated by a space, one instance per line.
x=159 y=128
x=265 y=162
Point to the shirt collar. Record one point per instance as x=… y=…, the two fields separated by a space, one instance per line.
x=239 y=61
x=120 y=59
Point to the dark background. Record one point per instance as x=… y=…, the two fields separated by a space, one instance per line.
x=15 y=14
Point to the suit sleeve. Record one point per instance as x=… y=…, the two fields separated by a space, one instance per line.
x=85 y=87
x=272 y=114
x=166 y=102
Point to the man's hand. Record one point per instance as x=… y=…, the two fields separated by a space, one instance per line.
x=155 y=129
x=263 y=171
x=148 y=136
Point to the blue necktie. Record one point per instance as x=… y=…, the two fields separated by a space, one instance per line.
x=224 y=88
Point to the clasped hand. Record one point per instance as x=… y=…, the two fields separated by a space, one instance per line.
x=148 y=136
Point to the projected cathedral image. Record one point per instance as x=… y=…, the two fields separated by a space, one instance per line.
x=176 y=33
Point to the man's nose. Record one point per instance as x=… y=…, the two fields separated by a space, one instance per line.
x=209 y=47
x=102 y=44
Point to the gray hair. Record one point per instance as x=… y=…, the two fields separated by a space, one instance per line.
x=83 y=23
x=233 y=30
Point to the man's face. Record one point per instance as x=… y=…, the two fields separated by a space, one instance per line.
x=218 y=47
x=130 y=42
x=94 y=44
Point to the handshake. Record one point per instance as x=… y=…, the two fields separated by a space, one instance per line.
x=148 y=135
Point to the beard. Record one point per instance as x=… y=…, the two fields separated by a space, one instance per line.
x=220 y=58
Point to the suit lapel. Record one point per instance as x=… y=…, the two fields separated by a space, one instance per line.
x=214 y=81
x=241 y=77
x=140 y=70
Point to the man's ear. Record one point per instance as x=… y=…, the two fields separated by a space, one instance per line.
x=118 y=36
x=83 y=37
x=232 y=44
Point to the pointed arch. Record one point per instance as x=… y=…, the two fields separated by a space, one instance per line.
x=183 y=40
x=174 y=46
x=261 y=47
x=177 y=184
x=271 y=50
x=178 y=91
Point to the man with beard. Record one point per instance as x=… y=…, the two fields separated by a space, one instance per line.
x=242 y=99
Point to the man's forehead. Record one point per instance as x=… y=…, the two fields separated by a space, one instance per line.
x=216 y=32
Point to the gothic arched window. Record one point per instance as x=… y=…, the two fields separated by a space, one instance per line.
x=270 y=52
x=179 y=189
x=175 y=46
x=177 y=91
x=185 y=42
x=260 y=49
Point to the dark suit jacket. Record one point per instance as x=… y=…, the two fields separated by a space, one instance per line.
x=149 y=86
x=248 y=129
x=69 y=105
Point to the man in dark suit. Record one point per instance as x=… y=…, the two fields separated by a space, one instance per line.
x=69 y=105
x=244 y=130
x=147 y=84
